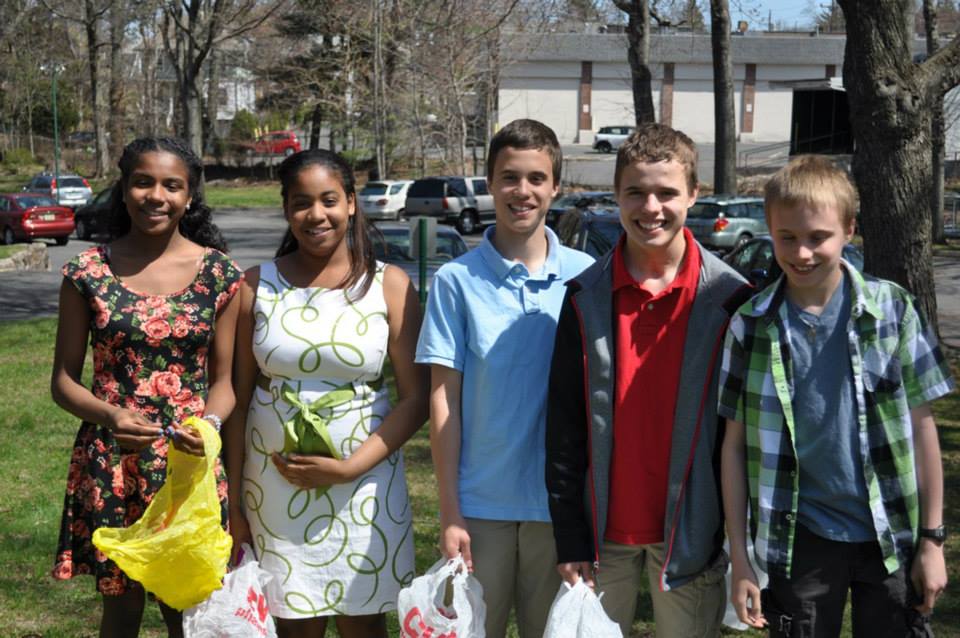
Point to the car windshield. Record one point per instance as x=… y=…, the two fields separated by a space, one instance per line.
x=374 y=188
x=567 y=200
x=704 y=211
x=396 y=246
x=71 y=182
x=32 y=201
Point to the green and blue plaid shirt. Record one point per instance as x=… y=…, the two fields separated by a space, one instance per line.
x=897 y=366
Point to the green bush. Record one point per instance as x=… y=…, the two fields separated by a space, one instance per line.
x=244 y=126
x=18 y=157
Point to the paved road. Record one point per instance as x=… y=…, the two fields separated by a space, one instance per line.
x=254 y=235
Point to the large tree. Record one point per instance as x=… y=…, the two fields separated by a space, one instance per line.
x=725 y=130
x=892 y=100
x=938 y=132
x=638 y=55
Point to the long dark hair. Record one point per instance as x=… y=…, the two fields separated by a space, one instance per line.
x=363 y=262
x=197 y=224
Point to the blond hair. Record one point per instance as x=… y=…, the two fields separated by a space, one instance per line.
x=812 y=180
x=657 y=143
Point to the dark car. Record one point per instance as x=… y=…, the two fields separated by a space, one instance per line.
x=581 y=201
x=395 y=249
x=754 y=260
x=24 y=216
x=94 y=218
x=593 y=232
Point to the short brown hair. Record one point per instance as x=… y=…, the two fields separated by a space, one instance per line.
x=657 y=143
x=811 y=180
x=526 y=134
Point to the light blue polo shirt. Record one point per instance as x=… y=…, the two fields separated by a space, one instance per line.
x=495 y=322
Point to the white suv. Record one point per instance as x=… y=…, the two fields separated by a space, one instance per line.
x=609 y=138
x=384 y=199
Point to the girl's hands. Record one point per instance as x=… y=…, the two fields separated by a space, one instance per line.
x=187 y=440
x=312 y=470
x=240 y=532
x=132 y=430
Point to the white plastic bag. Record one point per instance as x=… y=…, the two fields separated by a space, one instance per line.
x=236 y=610
x=446 y=602
x=577 y=613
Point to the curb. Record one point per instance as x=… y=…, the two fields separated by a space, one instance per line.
x=34 y=257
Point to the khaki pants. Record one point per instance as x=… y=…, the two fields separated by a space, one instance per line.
x=693 y=610
x=516 y=562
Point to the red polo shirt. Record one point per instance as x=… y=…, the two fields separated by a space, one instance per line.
x=650 y=331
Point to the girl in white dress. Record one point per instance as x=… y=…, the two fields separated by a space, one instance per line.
x=316 y=476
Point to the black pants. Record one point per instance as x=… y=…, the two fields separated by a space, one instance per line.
x=824 y=571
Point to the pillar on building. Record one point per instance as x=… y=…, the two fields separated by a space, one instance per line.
x=666 y=95
x=585 y=108
x=749 y=98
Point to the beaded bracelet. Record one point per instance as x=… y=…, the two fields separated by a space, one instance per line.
x=214 y=420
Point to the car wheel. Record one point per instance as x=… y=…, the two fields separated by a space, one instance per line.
x=604 y=147
x=8 y=238
x=62 y=241
x=401 y=214
x=741 y=241
x=81 y=230
x=467 y=222
x=287 y=152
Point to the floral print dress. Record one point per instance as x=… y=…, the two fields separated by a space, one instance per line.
x=150 y=356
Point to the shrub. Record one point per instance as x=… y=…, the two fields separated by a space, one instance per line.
x=18 y=157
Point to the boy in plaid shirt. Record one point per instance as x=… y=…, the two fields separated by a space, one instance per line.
x=826 y=384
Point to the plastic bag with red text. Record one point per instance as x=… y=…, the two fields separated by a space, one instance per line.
x=238 y=609
x=446 y=602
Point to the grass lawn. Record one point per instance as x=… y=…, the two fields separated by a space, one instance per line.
x=7 y=251
x=38 y=438
x=247 y=196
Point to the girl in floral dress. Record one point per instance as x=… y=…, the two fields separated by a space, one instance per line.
x=332 y=522
x=156 y=306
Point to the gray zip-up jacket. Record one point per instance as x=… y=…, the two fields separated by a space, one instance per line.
x=579 y=438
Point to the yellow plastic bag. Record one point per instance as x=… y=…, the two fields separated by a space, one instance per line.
x=177 y=550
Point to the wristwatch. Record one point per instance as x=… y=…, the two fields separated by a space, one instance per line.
x=937 y=534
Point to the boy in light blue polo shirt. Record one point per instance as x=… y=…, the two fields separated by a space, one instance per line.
x=488 y=336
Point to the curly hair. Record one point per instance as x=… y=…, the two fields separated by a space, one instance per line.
x=197 y=224
x=363 y=261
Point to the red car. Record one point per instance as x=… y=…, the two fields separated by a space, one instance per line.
x=276 y=143
x=28 y=216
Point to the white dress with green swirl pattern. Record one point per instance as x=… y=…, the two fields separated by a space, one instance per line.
x=347 y=550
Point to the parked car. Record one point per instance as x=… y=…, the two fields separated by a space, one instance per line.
x=25 y=216
x=73 y=190
x=582 y=200
x=284 y=143
x=384 y=199
x=593 y=232
x=609 y=138
x=726 y=222
x=395 y=249
x=94 y=217
x=754 y=260
x=464 y=201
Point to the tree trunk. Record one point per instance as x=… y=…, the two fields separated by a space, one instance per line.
x=938 y=134
x=93 y=49
x=638 y=55
x=316 y=123
x=212 y=101
x=118 y=22
x=725 y=159
x=890 y=113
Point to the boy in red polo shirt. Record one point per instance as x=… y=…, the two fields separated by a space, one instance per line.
x=632 y=428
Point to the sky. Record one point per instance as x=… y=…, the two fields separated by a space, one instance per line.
x=787 y=13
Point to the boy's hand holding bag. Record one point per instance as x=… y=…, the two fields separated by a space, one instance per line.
x=577 y=613
x=446 y=602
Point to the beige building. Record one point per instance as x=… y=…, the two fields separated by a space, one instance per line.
x=787 y=86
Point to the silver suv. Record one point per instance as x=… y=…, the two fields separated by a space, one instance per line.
x=464 y=201
x=726 y=222
x=609 y=138
x=67 y=190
